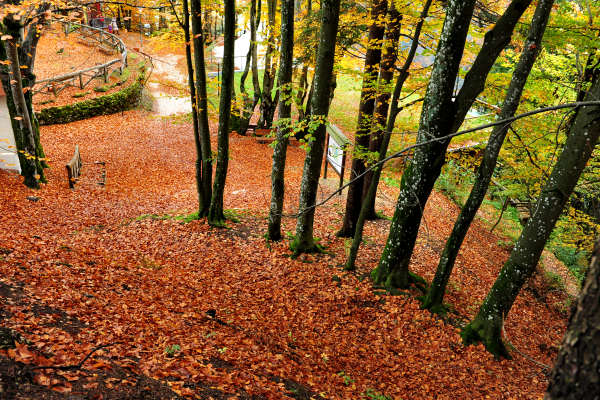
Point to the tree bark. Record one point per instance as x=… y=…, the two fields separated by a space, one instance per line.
x=202 y=134
x=394 y=110
x=486 y=327
x=20 y=54
x=434 y=298
x=420 y=175
x=304 y=241
x=440 y=117
x=576 y=373
x=383 y=98
x=268 y=101
x=248 y=105
x=285 y=111
x=23 y=116
x=215 y=212
x=365 y=115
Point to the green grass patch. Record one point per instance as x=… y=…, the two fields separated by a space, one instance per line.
x=81 y=94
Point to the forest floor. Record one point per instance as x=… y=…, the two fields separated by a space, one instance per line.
x=186 y=310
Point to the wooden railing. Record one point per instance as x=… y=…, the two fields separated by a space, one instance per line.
x=95 y=36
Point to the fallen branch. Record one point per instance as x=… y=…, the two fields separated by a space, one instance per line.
x=80 y=364
x=525 y=356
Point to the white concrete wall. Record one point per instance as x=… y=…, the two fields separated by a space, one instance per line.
x=8 y=149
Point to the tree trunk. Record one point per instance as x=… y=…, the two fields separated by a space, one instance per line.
x=215 y=212
x=285 y=111
x=247 y=105
x=365 y=115
x=583 y=135
x=383 y=98
x=419 y=176
x=576 y=374
x=394 y=110
x=202 y=135
x=268 y=101
x=21 y=115
x=304 y=241
x=440 y=117
x=434 y=298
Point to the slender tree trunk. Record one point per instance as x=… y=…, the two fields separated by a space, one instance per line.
x=247 y=105
x=202 y=134
x=215 y=212
x=440 y=117
x=365 y=116
x=394 y=111
x=304 y=241
x=486 y=327
x=576 y=374
x=202 y=201
x=268 y=102
x=285 y=111
x=435 y=295
x=254 y=47
x=383 y=98
x=301 y=93
x=372 y=178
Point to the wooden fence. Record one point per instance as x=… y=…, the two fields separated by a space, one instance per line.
x=95 y=36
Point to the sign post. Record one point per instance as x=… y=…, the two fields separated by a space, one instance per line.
x=335 y=155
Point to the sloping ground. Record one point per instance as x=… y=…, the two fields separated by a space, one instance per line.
x=58 y=54
x=220 y=309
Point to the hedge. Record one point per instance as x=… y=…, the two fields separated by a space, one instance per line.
x=122 y=100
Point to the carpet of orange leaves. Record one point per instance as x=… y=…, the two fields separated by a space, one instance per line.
x=146 y=284
x=69 y=54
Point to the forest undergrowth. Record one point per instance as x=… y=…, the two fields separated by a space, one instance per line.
x=189 y=310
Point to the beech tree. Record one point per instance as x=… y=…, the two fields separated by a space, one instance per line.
x=582 y=137
x=247 y=104
x=576 y=373
x=394 y=110
x=384 y=91
x=215 y=212
x=17 y=57
x=268 y=99
x=196 y=70
x=442 y=114
x=285 y=112
x=202 y=135
x=365 y=115
x=435 y=295
x=304 y=240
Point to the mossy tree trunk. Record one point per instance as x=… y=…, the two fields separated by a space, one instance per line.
x=576 y=373
x=17 y=76
x=384 y=89
x=371 y=192
x=441 y=116
x=268 y=101
x=420 y=174
x=435 y=295
x=304 y=240
x=365 y=116
x=285 y=112
x=583 y=135
x=215 y=212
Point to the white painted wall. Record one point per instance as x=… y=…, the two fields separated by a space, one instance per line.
x=8 y=149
